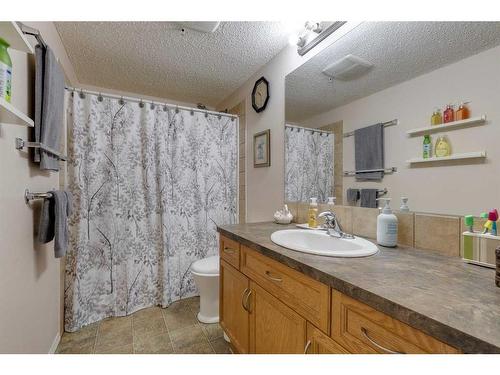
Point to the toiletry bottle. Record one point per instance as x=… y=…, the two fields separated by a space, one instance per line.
x=448 y=114
x=427 y=147
x=387 y=226
x=331 y=203
x=469 y=223
x=404 y=205
x=462 y=112
x=5 y=72
x=313 y=213
x=442 y=148
x=436 y=118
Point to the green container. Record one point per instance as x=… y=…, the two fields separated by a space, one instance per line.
x=5 y=72
x=427 y=152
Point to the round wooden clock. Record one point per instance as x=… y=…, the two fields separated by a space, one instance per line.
x=260 y=94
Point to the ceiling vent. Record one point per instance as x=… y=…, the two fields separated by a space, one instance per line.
x=348 y=68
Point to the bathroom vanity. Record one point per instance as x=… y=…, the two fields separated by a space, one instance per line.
x=401 y=300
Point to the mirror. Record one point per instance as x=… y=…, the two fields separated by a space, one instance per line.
x=393 y=75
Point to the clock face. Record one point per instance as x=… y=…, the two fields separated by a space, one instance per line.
x=260 y=94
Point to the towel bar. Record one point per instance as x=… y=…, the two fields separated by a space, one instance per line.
x=20 y=144
x=386 y=171
x=386 y=124
x=29 y=196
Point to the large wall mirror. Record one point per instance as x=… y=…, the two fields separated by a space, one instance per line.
x=350 y=111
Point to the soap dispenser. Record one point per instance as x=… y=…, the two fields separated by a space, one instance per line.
x=331 y=203
x=404 y=205
x=387 y=226
x=313 y=213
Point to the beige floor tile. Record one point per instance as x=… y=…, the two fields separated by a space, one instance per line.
x=122 y=349
x=149 y=327
x=147 y=314
x=85 y=346
x=194 y=304
x=220 y=346
x=190 y=340
x=159 y=344
x=113 y=338
x=113 y=324
x=212 y=331
x=80 y=339
x=179 y=315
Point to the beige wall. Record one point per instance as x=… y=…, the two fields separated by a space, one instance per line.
x=265 y=191
x=30 y=303
x=460 y=188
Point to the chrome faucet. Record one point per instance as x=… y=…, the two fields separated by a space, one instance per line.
x=333 y=227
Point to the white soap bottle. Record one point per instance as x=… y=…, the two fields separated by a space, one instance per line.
x=331 y=203
x=387 y=226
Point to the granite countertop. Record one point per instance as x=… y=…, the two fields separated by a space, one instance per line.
x=455 y=302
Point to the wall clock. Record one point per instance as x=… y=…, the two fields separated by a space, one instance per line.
x=260 y=94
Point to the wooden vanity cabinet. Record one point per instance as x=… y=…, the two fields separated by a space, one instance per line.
x=233 y=315
x=267 y=307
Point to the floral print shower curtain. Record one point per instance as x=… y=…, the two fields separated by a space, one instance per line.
x=308 y=164
x=149 y=186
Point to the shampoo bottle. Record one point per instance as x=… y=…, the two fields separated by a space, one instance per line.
x=387 y=226
x=313 y=214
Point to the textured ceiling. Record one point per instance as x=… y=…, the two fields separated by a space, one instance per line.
x=399 y=50
x=156 y=59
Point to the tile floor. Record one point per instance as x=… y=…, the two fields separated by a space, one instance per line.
x=174 y=330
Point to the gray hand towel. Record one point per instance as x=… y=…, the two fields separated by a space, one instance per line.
x=368 y=198
x=369 y=151
x=54 y=221
x=49 y=106
x=352 y=195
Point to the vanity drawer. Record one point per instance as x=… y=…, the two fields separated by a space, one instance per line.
x=308 y=297
x=230 y=251
x=362 y=329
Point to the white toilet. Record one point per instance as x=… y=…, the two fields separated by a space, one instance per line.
x=206 y=276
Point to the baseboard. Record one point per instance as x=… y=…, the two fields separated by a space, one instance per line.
x=55 y=343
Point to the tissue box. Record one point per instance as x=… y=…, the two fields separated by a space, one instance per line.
x=478 y=248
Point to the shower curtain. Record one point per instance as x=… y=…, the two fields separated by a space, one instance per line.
x=149 y=186
x=308 y=164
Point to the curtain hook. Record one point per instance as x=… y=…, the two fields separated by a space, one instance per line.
x=121 y=101
x=99 y=97
x=152 y=105
x=82 y=95
x=206 y=114
x=232 y=119
x=141 y=104
x=177 y=109
x=192 y=112
x=165 y=109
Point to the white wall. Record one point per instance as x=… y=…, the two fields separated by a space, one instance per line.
x=265 y=191
x=455 y=189
x=30 y=299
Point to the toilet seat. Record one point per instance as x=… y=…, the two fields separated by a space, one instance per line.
x=206 y=267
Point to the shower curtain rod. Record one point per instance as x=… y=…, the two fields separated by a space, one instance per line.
x=145 y=101
x=309 y=129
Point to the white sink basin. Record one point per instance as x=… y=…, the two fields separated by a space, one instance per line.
x=320 y=243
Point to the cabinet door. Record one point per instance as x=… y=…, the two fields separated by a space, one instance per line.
x=274 y=327
x=319 y=343
x=234 y=288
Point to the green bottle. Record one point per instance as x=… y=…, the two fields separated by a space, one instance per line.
x=427 y=147
x=5 y=72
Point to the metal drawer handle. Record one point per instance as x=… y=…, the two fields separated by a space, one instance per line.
x=247 y=300
x=243 y=298
x=307 y=346
x=277 y=279
x=228 y=250
x=389 y=351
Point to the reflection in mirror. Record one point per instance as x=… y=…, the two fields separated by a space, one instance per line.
x=397 y=73
x=308 y=164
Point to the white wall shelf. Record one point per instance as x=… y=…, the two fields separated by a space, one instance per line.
x=13 y=35
x=11 y=115
x=474 y=121
x=462 y=156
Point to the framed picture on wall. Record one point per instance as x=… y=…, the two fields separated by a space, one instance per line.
x=262 y=149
